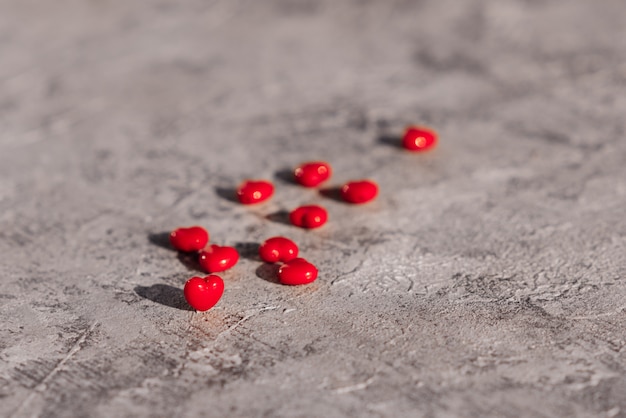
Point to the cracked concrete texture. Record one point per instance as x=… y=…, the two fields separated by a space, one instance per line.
x=486 y=280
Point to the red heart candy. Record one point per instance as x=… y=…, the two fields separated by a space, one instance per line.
x=309 y=216
x=361 y=191
x=216 y=258
x=312 y=174
x=203 y=293
x=278 y=249
x=189 y=239
x=254 y=191
x=297 y=271
x=419 y=138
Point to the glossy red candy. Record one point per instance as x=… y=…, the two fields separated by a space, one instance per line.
x=215 y=258
x=419 y=138
x=203 y=293
x=254 y=191
x=297 y=271
x=312 y=216
x=189 y=239
x=312 y=174
x=277 y=249
x=361 y=191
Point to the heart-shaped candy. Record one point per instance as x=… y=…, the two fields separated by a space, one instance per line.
x=254 y=191
x=312 y=174
x=189 y=239
x=277 y=249
x=297 y=271
x=312 y=216
x=203 y=293
x=361 y=191
x=216 y=258
x=419 y=138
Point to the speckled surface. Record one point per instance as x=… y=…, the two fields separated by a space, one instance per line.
x=486 y=281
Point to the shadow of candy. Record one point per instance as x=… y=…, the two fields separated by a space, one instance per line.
x=268 y=272
x=227 y=193
x=161 y=239
x=248 y=250
x=190 y=260
x=333 y=193
x=390 y=140
x=285 y=175
x=281 y=217
x=164 y=294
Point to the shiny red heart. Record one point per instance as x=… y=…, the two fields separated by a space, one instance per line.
x=216 y=258
x=312 y=174
x=203 y=293
x=312 y=216
x=189 y=239
x=277 y=249
x=419 y=138
x=254 y=191
x=297 y=271
x=361 y=191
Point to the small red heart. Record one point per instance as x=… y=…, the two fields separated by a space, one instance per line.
x=297 y=271
x=254 y=191
x=215 y=258
x=278 y=249
x=312 y=174
x=309 y=216
x=189 y=239
x=203 y=293
x=361 y=191
x=419 y=138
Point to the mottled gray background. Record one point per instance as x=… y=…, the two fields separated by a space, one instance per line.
x=486 y=281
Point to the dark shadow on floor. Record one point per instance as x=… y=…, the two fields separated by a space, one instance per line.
x=160 y=239
x=248 y=250
x=333 y=193
x=268 y=272
x=165 y=295
x=286 y=175
x=190 y=260
x=390 y=140
x=227 y=193
x=281 y=217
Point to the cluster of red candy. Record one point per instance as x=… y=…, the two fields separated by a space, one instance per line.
x=202 y=293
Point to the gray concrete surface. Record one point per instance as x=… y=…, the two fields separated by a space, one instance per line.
x=486 y=281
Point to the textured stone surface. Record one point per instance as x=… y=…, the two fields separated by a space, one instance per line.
x=487 y=279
